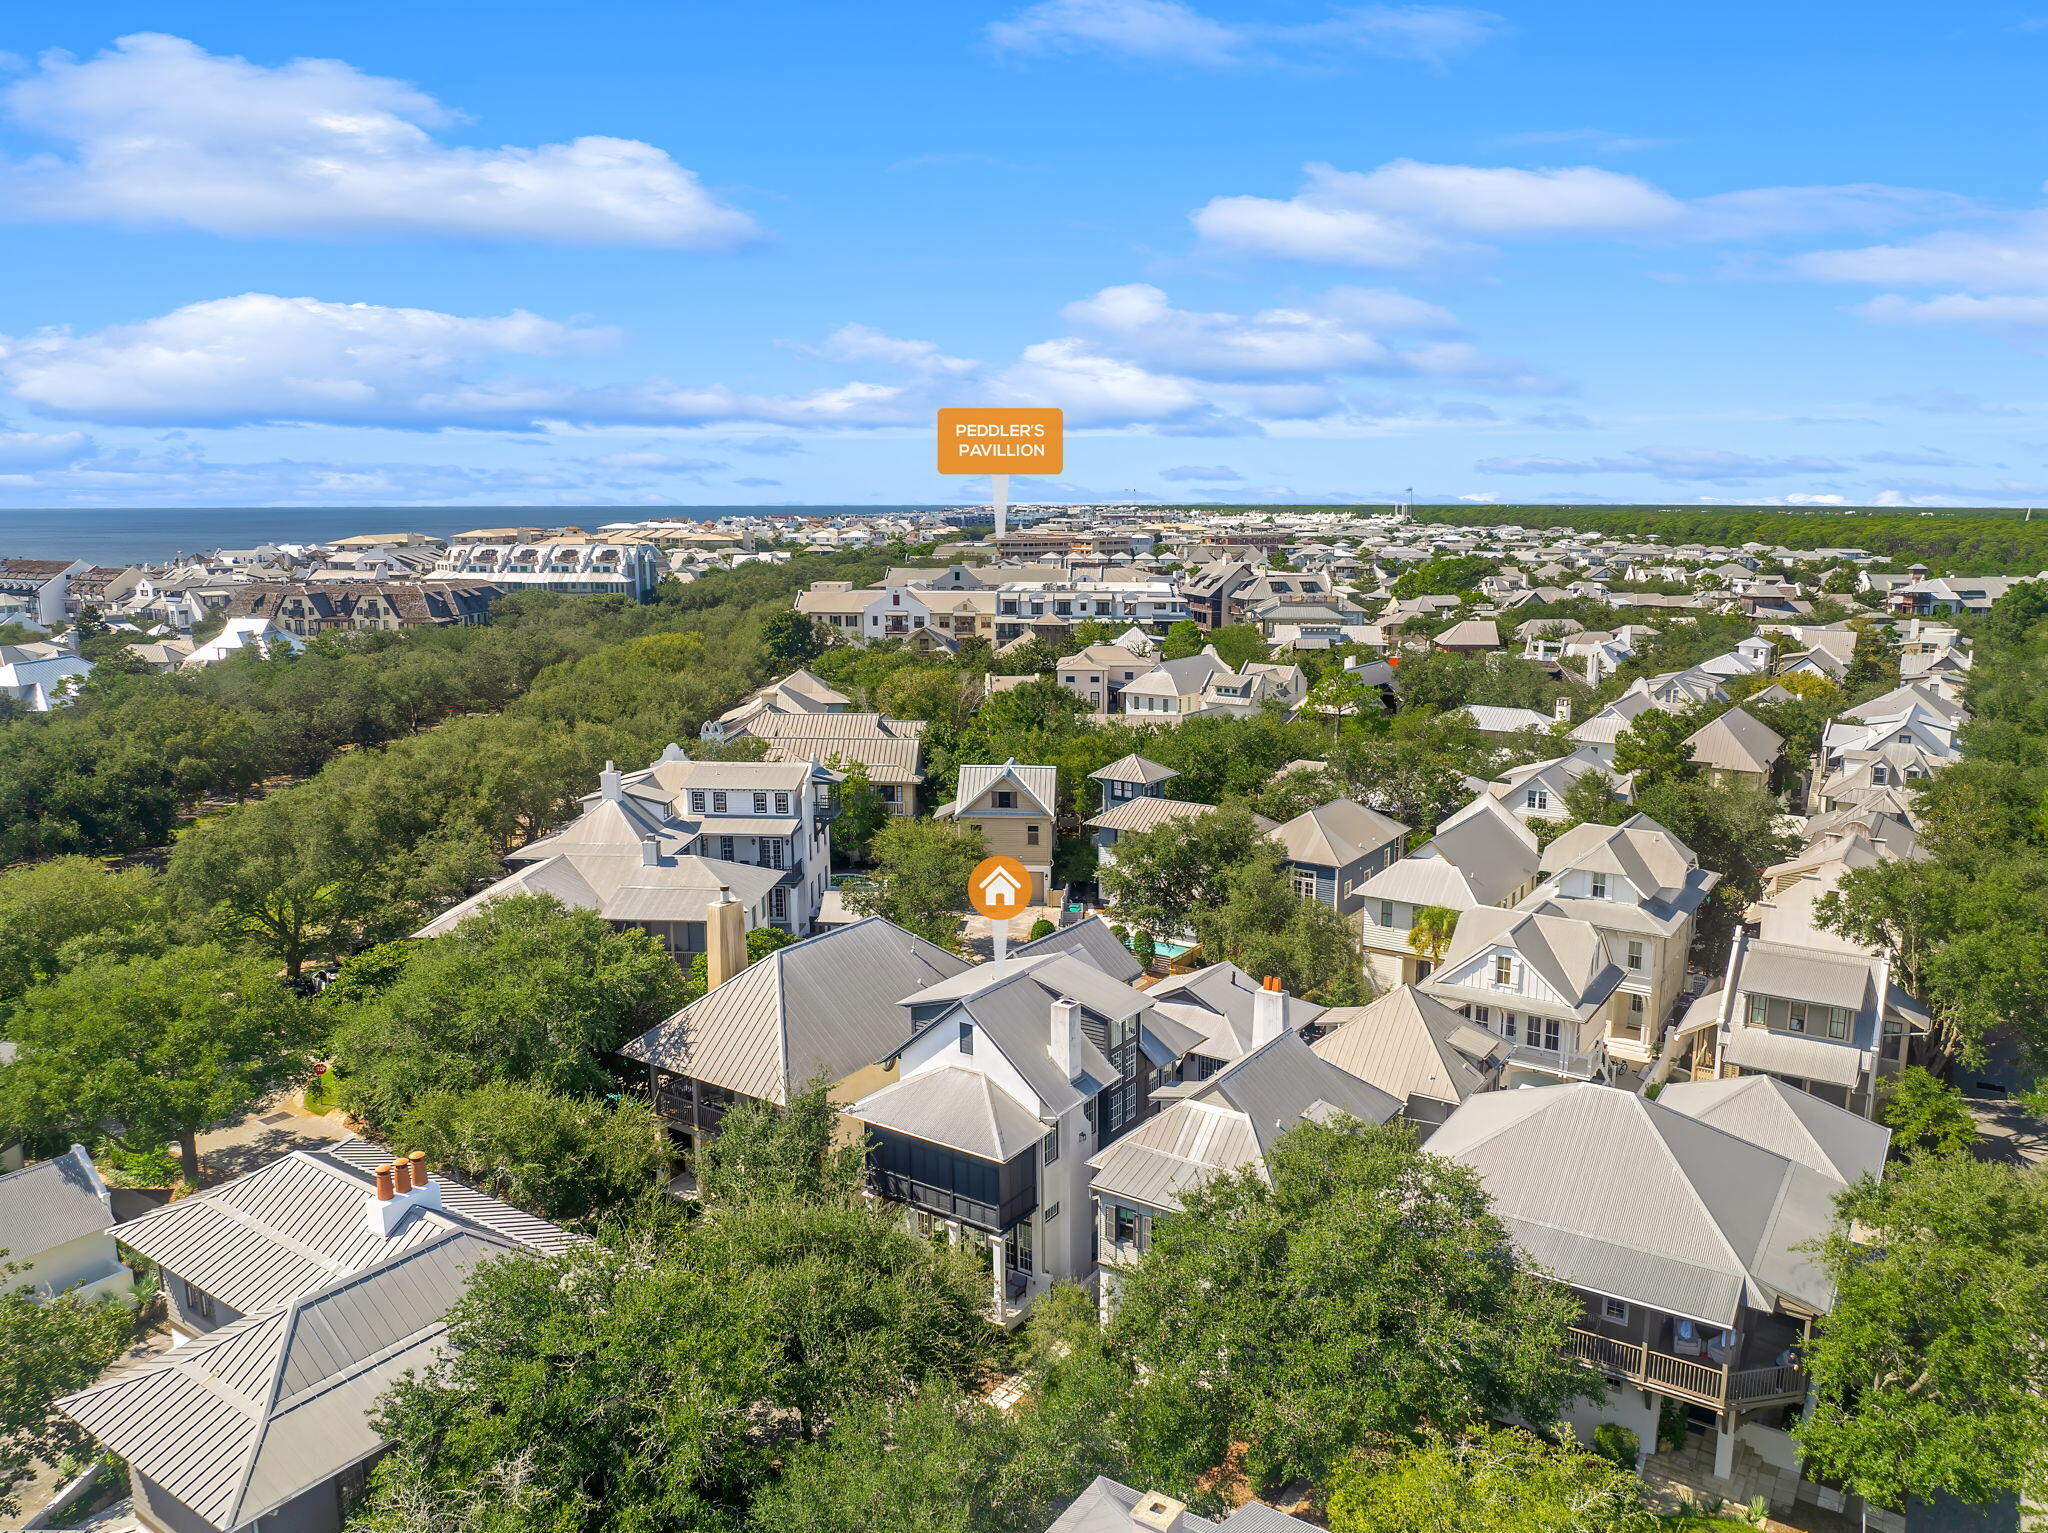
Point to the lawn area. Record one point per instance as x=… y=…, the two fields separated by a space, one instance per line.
x=323 y=1092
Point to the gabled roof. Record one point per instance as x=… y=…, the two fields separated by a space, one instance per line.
x=1230 y=995
x=615 y=826
x=238 y=1422
x=1624 y=1197
x=1569 y=956
x=44 y=1205
x=1793 y=1123
x=1037 y=787
x=1337 y=834
x=1091 y=941
x=1638 y=849
x=677 y=888
x=959 y=1108
x=1736 y=742
x=829 y=1004
x=1410 y=1044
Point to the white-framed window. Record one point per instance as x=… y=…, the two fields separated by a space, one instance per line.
x=760 y=803
x=1386 y=912
x=1796 y=1016
x=1304 y=884
x=967 y=1037
x=1759 y=1011
x=1503 y=969
x=782 y=803
x=1536 y=798
x=1599 y=885
x=1614 y=1311
x=696 y=801
x=1635 y=954
x=718 y=803
x=1052 y=1146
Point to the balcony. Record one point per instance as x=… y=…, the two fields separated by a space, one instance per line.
x=1721 y=1387
x=948 y=1204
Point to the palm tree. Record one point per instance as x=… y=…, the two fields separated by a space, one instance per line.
x=1430 y=933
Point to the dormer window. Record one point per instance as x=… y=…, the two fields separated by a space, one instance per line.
x=1599 y=885
x=1005 y=799
x=1503 y=970
x=1536 y=798
x=760 y=803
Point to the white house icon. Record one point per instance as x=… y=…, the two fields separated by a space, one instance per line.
x=1000 y=887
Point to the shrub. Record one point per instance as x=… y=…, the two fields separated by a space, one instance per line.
x=1041 y=928
x=1617 y=1444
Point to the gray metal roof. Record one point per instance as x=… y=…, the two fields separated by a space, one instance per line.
x=1091 y=941
x=886 y=758
x=44 y=1205
x=1410 y=1045
x=1133 y=768
x=1736 y=741
x=1230 y=996
x=830 y=1004
x=1803 y=1057
x=1038 y=786
x=623 y=888
x=1796 y=1124
x=1146 y=813
x=960 y=1108
x=1569 y=955
x=1106 y=1506
x=1806 y=974
x=1337 y=834
x=263 y=1239
x=1621 y=1196
x=238 y=1422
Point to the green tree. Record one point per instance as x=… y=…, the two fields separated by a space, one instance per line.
x=659 y=1382
x=1162 y=876
x=160 y=1046
x=1430 y=933
x=1926 y=1115
x=557 y=1156
x=1504 y=1481
x=1264 y=927
x=1238 y=645
x=1874 y=663
x=862 y=812
x=523 y=991
x=799 y=1153
x=1735 y=828
x=1590 y=799
x=1446 y=575
x=1366 y=1288
x=920 y=877
x=2015 y=613
x=791 y=638
x=1182 y=640
x=57 y=913
x=1928 y=1375
x=48 y=1348
x=1654 y=747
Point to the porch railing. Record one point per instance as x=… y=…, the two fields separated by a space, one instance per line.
x=1683 y=1378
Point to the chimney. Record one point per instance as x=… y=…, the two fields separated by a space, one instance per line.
x=725 y=940
x=674 y=752
x=610 y=783
x=420 y=1178
x=384 y=1184
x=1156 y=1513
x=1269 y=1012
x=402 y=1186
x=1561 y=710
x=1064 y=1041
x=650 y=852
x=401 y=1176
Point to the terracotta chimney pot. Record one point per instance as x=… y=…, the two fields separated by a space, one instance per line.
x=384 y=1184
x=419 y=1168
x=401 y=1176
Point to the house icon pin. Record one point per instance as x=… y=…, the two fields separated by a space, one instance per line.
x=999 y=888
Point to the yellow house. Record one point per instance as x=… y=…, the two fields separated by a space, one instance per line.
x=1016 y=808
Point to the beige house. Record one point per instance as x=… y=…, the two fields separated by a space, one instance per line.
x=1099 y=674
x=1016 y=808
x=1737 y=747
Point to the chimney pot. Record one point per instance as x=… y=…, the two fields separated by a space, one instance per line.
x=1269 y=1012
x=420 y=1174
x=384 y=1174
x=401 y=1176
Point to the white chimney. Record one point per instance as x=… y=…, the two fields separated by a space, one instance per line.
x=674 y=752
x=650 y=852
x=610 y=783
x=1064 y=1044
x=1156 y=1513
x=387 y=1206
x=1561 y=710
x=1269 y=1012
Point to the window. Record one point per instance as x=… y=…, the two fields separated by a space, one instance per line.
x=1759 y=1011
x=1052 y=1146
x=1005 y=799
x=967 y=1037
x=1796 y=1020
x=782 y=803
x=778 y=904
x=1543 y=1033
x=198 y=1302
x=1503 y=969
x=1599 y=886
x=1304 y=884
x=696 y=801
x=1635 y=955
x=760 y=803
x=1031 y=835
x=1838 y=1022
x=1509 y=1024
x=1635 y=1011
x=1123 y=1223
x=718 y=803
x=1386 y=912
x=772 y=852
x=1614 y=1310
x=1536 y=798
x=725 y=848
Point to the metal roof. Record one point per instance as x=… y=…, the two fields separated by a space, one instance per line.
x=1805 y=974
x=1619 y=1195
x=623 y=888
x=1737 y=742
x=1106 y=1506
x=1146 y=813
x=1039 y=786
x=1091 y=941
x=44 y=1205
x=1801 y=1057
x=1796 y=1124
x=887 y=760
x=1133 y=768
x=1337 y=834
x=830 y=1004
x=1410 y=1045
x=959 y=1108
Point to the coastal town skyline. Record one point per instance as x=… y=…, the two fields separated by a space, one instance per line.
x=1294 y=253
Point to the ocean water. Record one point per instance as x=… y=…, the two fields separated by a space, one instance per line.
x=132 y=536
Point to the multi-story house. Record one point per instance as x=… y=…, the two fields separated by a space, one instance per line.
x=775 y=815
x=1208 y=589
x=1682 y=1226
x=1536 y=790
x=890 y=750
x=1226 y=1010
x=1481 y=856
x=1641 y=889
x=1544 y=984
x=1223 y=1122
x=55 y=1216
x=312 y=607
x=43 y=675
x=576 y=567
x=1016 y=809
x=863 y=617
x=1333 y=849
x=1099 y=673
x=299 y=1294
x=1830 y=1023
x=826 y=1007
x=1130 y=777
x=1203 y=684
x=1737 y=747
x=798 y=692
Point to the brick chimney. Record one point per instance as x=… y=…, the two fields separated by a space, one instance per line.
x=1063 y=1042
x=402 y=1186
x=1269 y=1012
x=1156 y=1513
x=725 y=939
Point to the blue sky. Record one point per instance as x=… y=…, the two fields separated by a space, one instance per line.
x=656 y=253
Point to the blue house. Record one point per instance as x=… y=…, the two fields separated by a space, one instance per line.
x=1336 y=847
x=1129 y=778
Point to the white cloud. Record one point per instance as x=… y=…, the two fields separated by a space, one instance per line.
x=1408 y=212
x=1709 y=464
x=2011 y=255
x=158 y=131
x=42 y=449
x=861 y=343
x=1195 y=473
x=1957 y=309
x=1170 y=32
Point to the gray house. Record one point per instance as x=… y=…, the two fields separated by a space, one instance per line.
x=304 y=1290
x=1334 y=848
